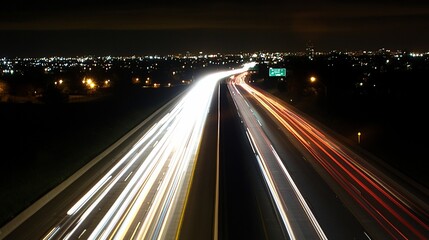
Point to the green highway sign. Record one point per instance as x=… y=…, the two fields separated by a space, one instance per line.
x=277 y=72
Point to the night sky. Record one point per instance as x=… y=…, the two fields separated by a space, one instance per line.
x=130 y=27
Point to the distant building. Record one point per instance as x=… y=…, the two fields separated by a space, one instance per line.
x=309 y=49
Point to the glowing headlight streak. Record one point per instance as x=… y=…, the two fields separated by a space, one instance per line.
x=267 y=170
x=178 y=140
x=301 y=199
x=396 y=213
x=117 y=177
x=193 y=106
x=127 y=162
x=153 y=195
x=136 y=190
x=272 y=187
x=151 y=134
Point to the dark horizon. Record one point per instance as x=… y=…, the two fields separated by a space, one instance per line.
x=71 y=43
x=75 y=28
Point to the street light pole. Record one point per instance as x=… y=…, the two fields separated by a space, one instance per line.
x=313 y=79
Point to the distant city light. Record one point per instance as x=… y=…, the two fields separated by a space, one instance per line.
x=89 y=83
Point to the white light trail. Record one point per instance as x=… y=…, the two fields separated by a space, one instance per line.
x=270 y=163
x=385 y=201
x=149 y=202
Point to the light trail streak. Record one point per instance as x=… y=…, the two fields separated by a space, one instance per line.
x=374 y=192
x=150 y=200
x=270 y=163
x=301 y=199
x=273 y=189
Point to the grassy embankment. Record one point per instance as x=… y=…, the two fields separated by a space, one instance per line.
x=391 y=131
x=41 y=145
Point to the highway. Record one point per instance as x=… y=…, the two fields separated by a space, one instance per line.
x=142 y=193
x=385 y=206
x=225 y=160
x=294 y=211
x=246 y=209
